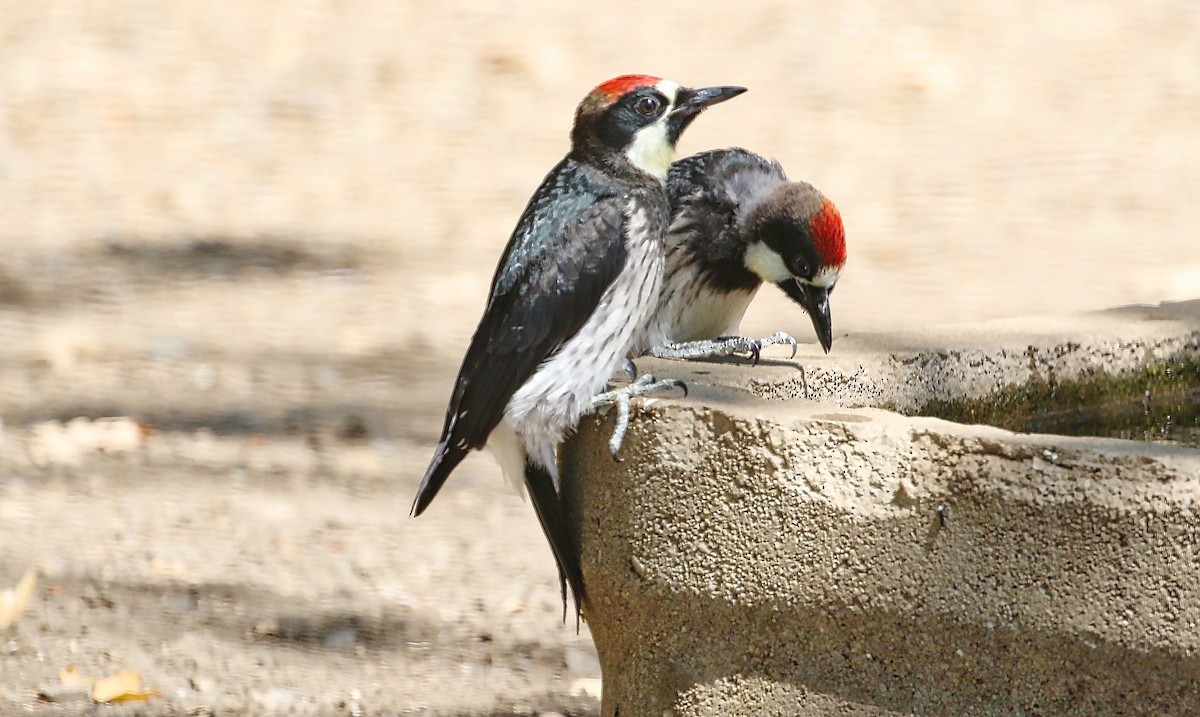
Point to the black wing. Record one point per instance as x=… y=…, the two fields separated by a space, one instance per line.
x=549 y=283
x=708 y=193
x=721 y=177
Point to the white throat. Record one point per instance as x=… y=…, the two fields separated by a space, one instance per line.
x=766 y=263
x=651 y=151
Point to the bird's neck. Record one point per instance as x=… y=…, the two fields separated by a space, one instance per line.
x=616 y=164
x=722 y=260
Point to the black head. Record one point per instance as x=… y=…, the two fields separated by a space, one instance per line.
x=638 y=119
x=795 y=240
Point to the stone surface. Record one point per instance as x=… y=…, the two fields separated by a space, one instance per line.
x=904 y=370
x=793 y=557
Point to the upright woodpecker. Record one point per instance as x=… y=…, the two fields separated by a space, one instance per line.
x=578 y=282
x=736 y=221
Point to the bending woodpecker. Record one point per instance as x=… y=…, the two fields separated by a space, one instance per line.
x=736 y=222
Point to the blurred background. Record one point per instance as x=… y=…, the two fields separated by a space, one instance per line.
x=262 y=233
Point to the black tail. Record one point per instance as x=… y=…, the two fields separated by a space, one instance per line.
x=445 y=460
x=548 y=506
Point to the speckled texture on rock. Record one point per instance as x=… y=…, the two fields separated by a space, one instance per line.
x=757 y=556
x=905 y=370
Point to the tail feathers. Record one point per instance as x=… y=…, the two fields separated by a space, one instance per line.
x=445 y=460
x=540 y=483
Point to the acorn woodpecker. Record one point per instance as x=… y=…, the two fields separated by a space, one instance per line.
x=736 y=221
x=577 y=284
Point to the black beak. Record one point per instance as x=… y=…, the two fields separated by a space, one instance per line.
x=690 y=103
x=815 y=300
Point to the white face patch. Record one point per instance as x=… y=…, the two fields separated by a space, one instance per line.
x=827 y=276
x=650 y=151
x=766 y=263
x=669 y=89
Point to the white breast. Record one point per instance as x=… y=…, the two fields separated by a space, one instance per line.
x=561 y=391
x=697 y=312
x=691 y=311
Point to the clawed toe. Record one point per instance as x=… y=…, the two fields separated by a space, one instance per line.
x=619 y=397
x=755 y=349
x=631 y=368
x=677 y=383
x=724 y=346
x=780 y=337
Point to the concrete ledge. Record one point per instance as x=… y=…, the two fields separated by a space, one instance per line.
x=784 y=557
x=906 y=370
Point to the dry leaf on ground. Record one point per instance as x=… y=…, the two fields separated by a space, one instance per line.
x=13 y=601
x=124 y=686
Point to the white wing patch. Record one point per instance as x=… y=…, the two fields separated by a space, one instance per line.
x=510 y=455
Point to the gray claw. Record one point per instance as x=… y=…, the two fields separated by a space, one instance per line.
x=631 y=368
x=780 y=337
x=680 y=384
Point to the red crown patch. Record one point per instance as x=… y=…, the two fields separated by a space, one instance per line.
x=829 y=236
x=618 y=86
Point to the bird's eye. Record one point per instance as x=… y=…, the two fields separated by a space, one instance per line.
x=647 y=106
x=801 y=269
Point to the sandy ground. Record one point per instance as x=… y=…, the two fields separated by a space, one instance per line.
x=251 y=552
x=265 y=232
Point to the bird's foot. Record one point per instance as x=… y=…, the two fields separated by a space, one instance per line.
x=619 y=397
x=723 y=346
